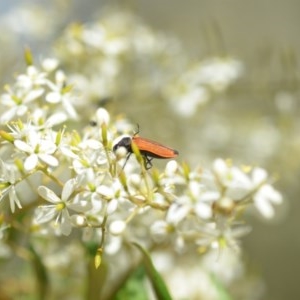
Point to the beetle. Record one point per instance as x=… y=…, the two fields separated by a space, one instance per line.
x=149 y=149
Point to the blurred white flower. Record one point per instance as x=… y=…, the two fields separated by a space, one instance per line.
x=265 y=198
x=196 y=85
x=102 y=116
x=58 y=94
x=50 y=64
x=238 y=185
x=117 y=227
x=219 y=72
x=31 y=79
x=30 y=19
x=17 y=102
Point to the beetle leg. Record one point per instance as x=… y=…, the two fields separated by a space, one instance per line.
x=127 y=157
x=148 y=163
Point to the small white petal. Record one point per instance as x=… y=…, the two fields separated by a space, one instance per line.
x=264 y=207
x=23 y=146
x=60 y=76
x=44 y=214
x=210 y=196
x=68 y=152
x=220 y=166
x=276 y=197
x=8 y=115
x=53 y=97
x=68 y=189
x=240 y=179
x=195 y=188
x=177 y=213
x=96 y=203
x=49 y=160
x=105 y=191
x=69 y=108
x=32 y=71
x=121 y=152
x=55 y=119
x=47 y=146
x=135 y=180
x=78 y=220
x=171 y=167
x=259 y=175
x=81 y=206
x=49 y=64
x=102 y=116
x=113 y=246
x=112 y=206
x=66 y=226
x=48 y=194
x=179 y=243
x=117 y=227
x=31 y=162
x=270 y=193
x=93 y=144
x=33 y=138
x=33 y=94
x=203 y=210
x=159 y=228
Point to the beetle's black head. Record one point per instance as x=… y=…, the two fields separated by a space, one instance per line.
x=124 y=142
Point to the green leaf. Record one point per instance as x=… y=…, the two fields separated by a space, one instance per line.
x=95 y=280
x=40 y=273
x=133 y=287
x=158 y=284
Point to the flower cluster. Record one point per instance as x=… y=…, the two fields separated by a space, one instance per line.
x=77 y=181
x=122 y=51
x=200 y=81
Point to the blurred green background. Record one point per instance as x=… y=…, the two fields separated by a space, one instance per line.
x=255 y=122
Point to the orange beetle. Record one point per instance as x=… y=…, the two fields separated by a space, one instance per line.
x=149 y=149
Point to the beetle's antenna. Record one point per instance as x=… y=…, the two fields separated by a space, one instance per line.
x=138 y=129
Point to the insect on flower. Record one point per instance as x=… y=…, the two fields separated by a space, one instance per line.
x=149 y=149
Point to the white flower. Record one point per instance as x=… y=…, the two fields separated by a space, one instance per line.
x=37 y=149
x=195 y=86
x=187 y=102
x=220 y=234
x=219 y=72
x=59 y=209
x=236 y=182
x=58 y=95
x=31 y=79
x=87 y=158
x=7 y=184
x=239 y=185
x=160 y=229
x=17 y=103
x=110 y=193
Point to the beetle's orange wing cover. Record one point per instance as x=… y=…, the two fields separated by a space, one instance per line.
x=153 y=149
